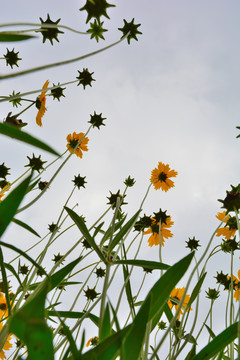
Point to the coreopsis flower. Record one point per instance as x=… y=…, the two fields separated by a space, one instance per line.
x=12 y=58
x=7 y=344
x=154 y=231
x=40 y=104
x=113 y=199
x=6 y=188
x=161 y=177
x=226 y=231
x=92 y=341
x=73 y=140
x=177 y=293
x=236 y=294
x=131 y=29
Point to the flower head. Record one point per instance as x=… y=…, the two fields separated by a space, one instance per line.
x=177 y=294
x=161 y=177
x=154 y=231
x=40 y=104
x=131 y=29
x=35 y=163
x=92 y=341
x=11 y=58
x=192 y=244
x=73 y=140
x=229 y=229
x=96 y=30
x=50 y=33
x=7 y=344
x=232 y=199
x=96 y=9
x=85 y=78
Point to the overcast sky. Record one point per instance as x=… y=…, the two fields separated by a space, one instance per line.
x=171 y=96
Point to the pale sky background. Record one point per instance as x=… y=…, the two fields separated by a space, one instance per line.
x=173 y=96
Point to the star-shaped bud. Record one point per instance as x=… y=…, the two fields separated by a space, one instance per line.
x=57 y=258
x=161 y=216
x=12 y=58
x=4 y=171
x=143 y=223
x=96 y=120
x=16 y=101
x=35 y=163
x=96 y=30
x=113 y=199
x=192 y=244
x=131 y=29
x=96 y=9
x=57 y=93
x=23 y=269
x=50 y=33
x=79 y=181
x=85 y=78
x=129 y=182
x=91 y=294
x=232 y=200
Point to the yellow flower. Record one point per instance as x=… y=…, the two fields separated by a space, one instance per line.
x=72 y=143
x=154 y=230
x=225 y=231
x=236 y=286
x=7 y=344
x=92 y=341
x=177 y=293
x=4 y=189
x=40 y=104
x=160 y=177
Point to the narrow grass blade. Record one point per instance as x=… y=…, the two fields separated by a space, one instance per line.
x=127 y=227
x=25 y=226
x=144 y=264
x=105 y=329
x=82 y=227
x=9 y=205
x=133 y=341
x=196 y=290
x=74 y=315
x=218 y=343
x=161 y=290
x=24 y=254
x=128 y=289
x=13 y=36
x=13 y=271
x=20 y=135
x=211 y=333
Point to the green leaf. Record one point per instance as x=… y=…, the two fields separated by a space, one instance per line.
x=127 y=227
x=72 y=345
x=30 y=326
x=10 y=204
x=218 y=343
x=144 y=263
x=161 y=290
x=107 y=349
x=133 y=341
x=25 y=226
x=74 y=315
x=105 y=329
x=110 y=230
x=6 y=36
x=24 y=254
x=128 y=289
x=13 y=271
x=196 y=290
x=97 y=229
x=82 y=227
x=15 y=133
x=211 y=333
x=115 y=317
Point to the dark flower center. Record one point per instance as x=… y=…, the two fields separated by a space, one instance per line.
x=162 y=176
x=155 y=228
x=174 y=302
x=73 y=143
